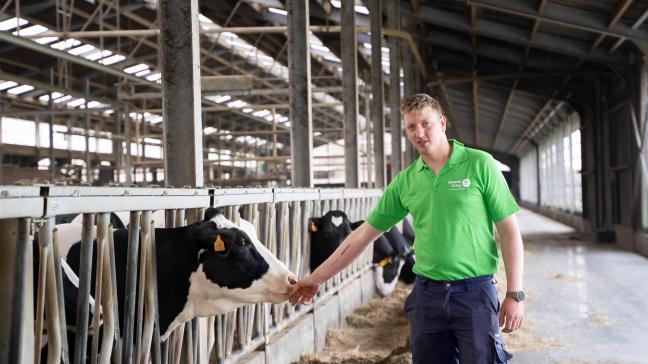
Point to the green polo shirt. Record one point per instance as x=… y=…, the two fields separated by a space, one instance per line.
x=453 y=213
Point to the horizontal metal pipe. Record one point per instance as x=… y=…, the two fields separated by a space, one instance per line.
x=263 y=106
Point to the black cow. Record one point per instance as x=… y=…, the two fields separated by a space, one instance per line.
x=390 y=250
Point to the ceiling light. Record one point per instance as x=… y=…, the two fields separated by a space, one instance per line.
x=278 y=11
x=12 y=23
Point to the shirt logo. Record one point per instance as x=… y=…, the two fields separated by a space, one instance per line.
x=459 y=184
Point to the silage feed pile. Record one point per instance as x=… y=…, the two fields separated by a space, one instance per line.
x=376 y=332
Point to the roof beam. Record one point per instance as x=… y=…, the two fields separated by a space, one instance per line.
x=567 y=16
x=635 y=25
x=523 y=65
x=475 y=97
x=540 y=112
x=518 y=35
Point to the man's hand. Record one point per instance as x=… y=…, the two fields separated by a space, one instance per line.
x=511 y=315
x=304 y=291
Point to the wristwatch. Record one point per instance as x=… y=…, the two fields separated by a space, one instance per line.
x=518 y=296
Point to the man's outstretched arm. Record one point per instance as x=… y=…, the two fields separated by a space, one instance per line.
x=345 y=254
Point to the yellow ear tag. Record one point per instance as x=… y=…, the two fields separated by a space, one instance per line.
x=384 y=262
x=219 y=245
x=313 y=227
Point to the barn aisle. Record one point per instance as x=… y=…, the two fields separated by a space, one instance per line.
x=587 y=302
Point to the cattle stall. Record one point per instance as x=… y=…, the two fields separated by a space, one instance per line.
x=263 y=331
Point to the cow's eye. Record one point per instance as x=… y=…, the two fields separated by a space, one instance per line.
x=242 y=243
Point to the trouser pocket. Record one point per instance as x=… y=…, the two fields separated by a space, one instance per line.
x=499 y=352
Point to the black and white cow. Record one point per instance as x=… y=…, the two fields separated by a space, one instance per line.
x=328 y=232
x=204 y=269
x=207 y=268
x=407 y=275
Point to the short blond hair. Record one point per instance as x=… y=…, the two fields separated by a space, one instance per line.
x=418 y=102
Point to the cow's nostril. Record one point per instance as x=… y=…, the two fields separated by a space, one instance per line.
x=292 y=279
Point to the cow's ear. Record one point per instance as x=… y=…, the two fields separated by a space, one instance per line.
x=219 y=244
x=313 y=224
x=211 y=212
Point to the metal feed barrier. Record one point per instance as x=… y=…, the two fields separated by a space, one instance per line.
x=281 y=217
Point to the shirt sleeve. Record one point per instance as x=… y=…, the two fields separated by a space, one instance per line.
x=499 y=200
x=389 y=209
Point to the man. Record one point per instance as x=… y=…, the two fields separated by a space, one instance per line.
x=455 y=194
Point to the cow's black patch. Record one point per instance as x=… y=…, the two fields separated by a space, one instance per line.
x=236 y=267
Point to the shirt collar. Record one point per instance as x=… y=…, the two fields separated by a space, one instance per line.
x=457 y=156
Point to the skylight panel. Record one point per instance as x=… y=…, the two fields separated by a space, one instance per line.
x=112 y=59
x=55 y=95
x=33 y=30
x=95 y=104
x=65 y=44
x=82 y=49
x=237 y=103
x=136 y=68
x=20 y=89
x=46 y=40
x=204 y=19
x=77 y=102
x=220 y=98
x=143 y=73
x=7 y=84
x=12 y=23
x=154 y=77
x=62 y=99
x=97 y=54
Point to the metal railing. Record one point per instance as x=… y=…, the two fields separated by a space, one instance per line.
x=280 y=215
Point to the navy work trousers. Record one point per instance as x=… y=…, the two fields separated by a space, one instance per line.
x=455 y=322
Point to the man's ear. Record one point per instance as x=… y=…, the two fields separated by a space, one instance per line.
x=444 y=122
x=314 y=224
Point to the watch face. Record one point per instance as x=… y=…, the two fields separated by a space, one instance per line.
x=520 y=295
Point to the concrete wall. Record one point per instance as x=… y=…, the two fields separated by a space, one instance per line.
x=575 y=221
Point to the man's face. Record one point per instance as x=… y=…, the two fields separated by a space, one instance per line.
x=425 y=129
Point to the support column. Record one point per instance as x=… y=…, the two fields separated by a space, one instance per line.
x=408 y=87
x=350 y=95
x=179 y=37
x=88 y=162
x=396 y=125
x=375 y=13
x=127 y=151
x=301 y=123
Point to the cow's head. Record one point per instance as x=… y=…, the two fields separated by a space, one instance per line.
x=235 y=268
x=327 y=233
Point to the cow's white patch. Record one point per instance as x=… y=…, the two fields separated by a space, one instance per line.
x=337 y=220
x=386 y=288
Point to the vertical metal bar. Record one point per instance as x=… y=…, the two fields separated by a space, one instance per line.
x=116 y=352
x=50 y=122
x=179 y=37
x=145 y=242
x=107 y=283
x=301 y=123
x=65 y=356
x=89 y=176
x=43 y=251
x=51 y=298
x=368 y=136
x=157 y=350
x=131 y=279
x=128 y=171
x=375 y=14
x=85 y=272
x=350 y=94
x=395 y=124
x=187 y=343
x=102 y=226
